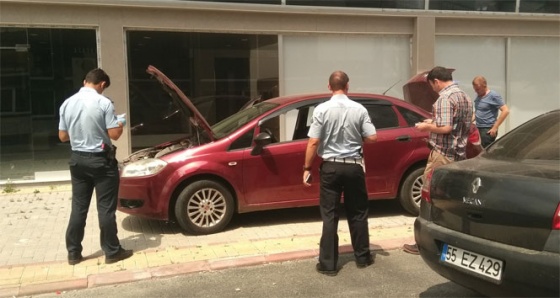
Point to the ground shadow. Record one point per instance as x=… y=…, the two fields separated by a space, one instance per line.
x=449 y=289
x=148 y=232
x=149 y=226
x=377 y=209
x=347 y=257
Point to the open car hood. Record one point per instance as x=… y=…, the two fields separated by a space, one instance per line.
x=419 y=92
x=181 y=100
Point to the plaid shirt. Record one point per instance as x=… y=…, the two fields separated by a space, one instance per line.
x=453 y=108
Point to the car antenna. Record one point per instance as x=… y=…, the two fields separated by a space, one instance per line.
x=392 y=86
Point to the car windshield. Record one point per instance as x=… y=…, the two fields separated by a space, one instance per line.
x=538 y=139
x=235 y=121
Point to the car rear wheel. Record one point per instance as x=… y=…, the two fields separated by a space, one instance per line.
x=410 y=193
x=204 y=207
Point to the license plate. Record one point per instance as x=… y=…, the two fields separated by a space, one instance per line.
x=471 y=261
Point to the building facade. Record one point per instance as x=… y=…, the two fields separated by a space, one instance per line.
x=224 y=53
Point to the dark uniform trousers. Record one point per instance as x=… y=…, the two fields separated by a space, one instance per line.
x=338 y=178
x=91 y=171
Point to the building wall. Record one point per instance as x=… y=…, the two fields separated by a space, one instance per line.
x=425 y=30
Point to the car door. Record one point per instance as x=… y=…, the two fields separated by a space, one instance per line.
x=387 y=158
x=274 y=177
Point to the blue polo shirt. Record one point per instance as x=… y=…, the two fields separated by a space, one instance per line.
x=340 y=124
x=86 y=116
x=486 y=109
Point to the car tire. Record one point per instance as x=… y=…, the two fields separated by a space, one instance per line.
x=410 y=193
x=204 y=207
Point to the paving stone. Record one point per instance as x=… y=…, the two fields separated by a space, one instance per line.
x=33 y=252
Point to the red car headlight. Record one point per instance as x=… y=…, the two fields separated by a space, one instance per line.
x=143 y=167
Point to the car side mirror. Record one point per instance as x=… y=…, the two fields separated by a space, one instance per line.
x=261 y=140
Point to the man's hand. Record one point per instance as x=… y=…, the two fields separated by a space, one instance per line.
x=122 y=119
x=493 y=132
x=310 y=153
x=429 y=126
x=307 y=178
x=423 y=126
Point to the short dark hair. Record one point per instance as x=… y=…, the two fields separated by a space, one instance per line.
x=338 y=80
x=97 y=76
x=441 y=73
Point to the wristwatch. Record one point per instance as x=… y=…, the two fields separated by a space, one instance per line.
x=306 y=168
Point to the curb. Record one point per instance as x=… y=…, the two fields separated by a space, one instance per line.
x=131 y=275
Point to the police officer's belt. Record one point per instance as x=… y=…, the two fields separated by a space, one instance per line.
x=358 y=161
x=90 y=154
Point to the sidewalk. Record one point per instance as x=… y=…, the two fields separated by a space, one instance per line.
x=33 y=253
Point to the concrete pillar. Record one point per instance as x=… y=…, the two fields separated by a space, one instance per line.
x=112 y=59
x=423 y=44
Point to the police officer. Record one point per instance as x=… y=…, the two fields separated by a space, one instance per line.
x=339 y=128
x=88 y=121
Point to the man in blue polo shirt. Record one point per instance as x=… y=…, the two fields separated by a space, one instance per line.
x=88 y=121
x=487 y=105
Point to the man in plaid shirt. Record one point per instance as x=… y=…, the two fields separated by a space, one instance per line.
x=452 y=115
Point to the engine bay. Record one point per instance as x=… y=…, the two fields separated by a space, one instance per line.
x=159 y=150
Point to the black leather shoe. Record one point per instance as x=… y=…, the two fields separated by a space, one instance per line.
x=119 y=256
x=325 y=272
x=365 y=264
x=74 y=259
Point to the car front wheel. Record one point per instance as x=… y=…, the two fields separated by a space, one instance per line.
x=204 y=207
x=410 y=193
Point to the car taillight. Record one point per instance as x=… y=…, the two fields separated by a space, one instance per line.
x=556 y=219
x=426 y=187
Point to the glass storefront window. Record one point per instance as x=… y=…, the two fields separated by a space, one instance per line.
x=526 y=6
x=540 y=6
x=277 y=2
x=473 y=5
x=218 y=72
x=39 y=69
x=403 y=4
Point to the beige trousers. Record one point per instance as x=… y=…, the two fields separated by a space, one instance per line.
x=435 y=160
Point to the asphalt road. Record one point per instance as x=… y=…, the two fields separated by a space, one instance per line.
x=394 y=274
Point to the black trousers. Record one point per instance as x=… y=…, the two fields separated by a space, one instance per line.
x=89 y=173
x=485 y=138
x=348 y=179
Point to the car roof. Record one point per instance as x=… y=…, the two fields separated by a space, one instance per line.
x=289 y=99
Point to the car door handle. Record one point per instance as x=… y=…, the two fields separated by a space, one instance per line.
x=403 y=138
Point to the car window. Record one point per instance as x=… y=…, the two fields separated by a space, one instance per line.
x=215 y=108
x=410 y=116
x=537 y=139
x=244 y=141
x=235 y=121
x=382 y=116
x=295 y=124
x=305 y=117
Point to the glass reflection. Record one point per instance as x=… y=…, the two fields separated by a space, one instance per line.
x=219 y=73
x=39 y=69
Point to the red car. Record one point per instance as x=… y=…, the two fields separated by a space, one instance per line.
x=252 y=161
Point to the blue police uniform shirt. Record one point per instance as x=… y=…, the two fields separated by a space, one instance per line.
x=86 y=116
x=486 y=109
x=340 y=124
